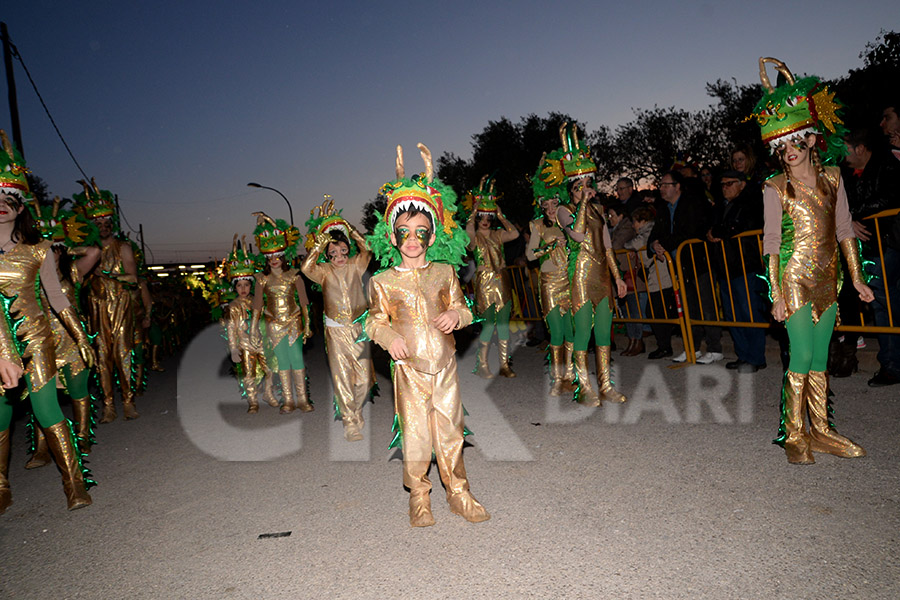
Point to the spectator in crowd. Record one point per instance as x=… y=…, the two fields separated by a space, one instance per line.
x=685 y=218
x=636 y=300
x=743 y=159
x=621 y=232
x=737 y=266
x=660 y=291
x=626 y=194
x=890 y=126
x=873 y=185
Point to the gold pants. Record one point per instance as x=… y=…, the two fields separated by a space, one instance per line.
x=351 y=370
x=431 y=417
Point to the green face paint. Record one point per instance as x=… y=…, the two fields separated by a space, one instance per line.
x=423 y=234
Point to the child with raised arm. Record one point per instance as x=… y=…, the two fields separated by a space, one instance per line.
x=415 y=305
x=338 y=267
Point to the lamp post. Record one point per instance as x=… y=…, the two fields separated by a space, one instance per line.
x=265 y=187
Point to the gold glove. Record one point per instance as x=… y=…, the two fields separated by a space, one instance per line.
x=255 y=336
x=580 y=225
x=307 y=330
x=774 y=278
x=72 y=322
x=850 y=248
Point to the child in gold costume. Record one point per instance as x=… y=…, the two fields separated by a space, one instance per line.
x=240 y=270
x=547 y=244
x=331 y=265
x=287 y=323
x=806 y=219
x=415 y=305
x=594 y=276
x=25 y=262
x=111 y=310
x=493 y=296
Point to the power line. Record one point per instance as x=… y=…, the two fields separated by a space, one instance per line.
x=15 y=53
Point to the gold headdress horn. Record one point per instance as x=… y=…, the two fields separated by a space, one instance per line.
x=779 y=66
x=234 y=245
x=563 y=137
x=401 y=173
x=56 y=201
x=87 y=188
x=7 y=146
x=94 y=185
x=426 y=156
x=262 y=217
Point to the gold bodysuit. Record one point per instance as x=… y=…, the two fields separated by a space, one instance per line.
x=492 y=286
x=591 y=281
x=19 y=270
x=112 y=319
x=282 y=313
x=237 y=324
x=804 y=232
x=549 y=245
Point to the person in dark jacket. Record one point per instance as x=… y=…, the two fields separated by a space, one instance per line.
x=873 y=186
x=737 y=267
x=684 y=218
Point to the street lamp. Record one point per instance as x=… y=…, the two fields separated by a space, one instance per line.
x=265 y=187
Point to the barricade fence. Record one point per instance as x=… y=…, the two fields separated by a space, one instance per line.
x=708 y=291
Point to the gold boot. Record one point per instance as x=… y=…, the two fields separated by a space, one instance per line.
x=585 y=394
x=154 y=359
x=65 y=453
x=81 y=410
x=41 y=454
x=269 y=390
x=251 y=391
x=466 y=506
x=287 y=392
x=129 y=410
x=792 y=435
x=303 y=402
x=109 y=411
x=5 y=494
x=607 y=392
x=139 y=381
x=482 y=369
x=823 y=437
x=505 y=370
x=557 y=370
x=569 y=384
x=420 y=509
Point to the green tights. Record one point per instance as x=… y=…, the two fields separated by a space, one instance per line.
x=599 y=319
x=289 y=356
x=494 y=318
x=44 y=403
x=560 y=326
x=808 y=340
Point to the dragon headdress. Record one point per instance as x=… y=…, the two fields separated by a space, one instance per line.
x=275 y=237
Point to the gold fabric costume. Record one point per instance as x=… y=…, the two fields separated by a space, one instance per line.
x=404 y=303
x=237 y=323
x=18 y=273
x=112 y=320
x=492 y=285
x=282 y=313
x=591 y=281
x=809 y=264
x=66 y=349
x=350 y=361
x=555 y=289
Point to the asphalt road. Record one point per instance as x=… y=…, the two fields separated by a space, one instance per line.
x=677 y=494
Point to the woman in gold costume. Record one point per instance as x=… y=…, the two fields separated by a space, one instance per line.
x=26 y=260
x=595 y=278
x=278 y=289
x=493 y=296
x=331 y=265
x=806 y=219
x=547 y=244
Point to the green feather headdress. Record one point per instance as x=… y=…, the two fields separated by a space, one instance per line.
x=63 y=226
x=796 y=109
x=240 y=264
x=542 y=190
x=430 y=195
x=13 y=170
x=328 y=220
x=95 y=203
x=275 y=237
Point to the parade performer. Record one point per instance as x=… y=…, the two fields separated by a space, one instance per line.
x=415 y=305
x=142 y=302
x=593 y=272
x=547 y=244
x=73 y=238
x=10 y=372
x=337 y=264
x=286 y=321
x=110 y=301
x=26 y=265
x=493 y=296
x=806 y=219
x=240 y=269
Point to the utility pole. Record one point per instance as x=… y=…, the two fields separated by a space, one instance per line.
x=11 y=88
x=141 y=235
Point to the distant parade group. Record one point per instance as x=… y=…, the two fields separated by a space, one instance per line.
x=76 y=300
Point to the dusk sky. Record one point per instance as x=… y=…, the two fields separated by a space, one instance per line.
x=176 y=106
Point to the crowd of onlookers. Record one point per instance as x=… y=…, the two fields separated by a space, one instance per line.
x=716 y=205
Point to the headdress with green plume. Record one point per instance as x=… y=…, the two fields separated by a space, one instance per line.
x=571 y=162
x=95 y=203
x=797 y=108
x=13 y=170
x=427 y=194
x=63 y=227
x=275 y=237
x=327 y=221
x=484 y=196
x=240 y=264
x=542 y=190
